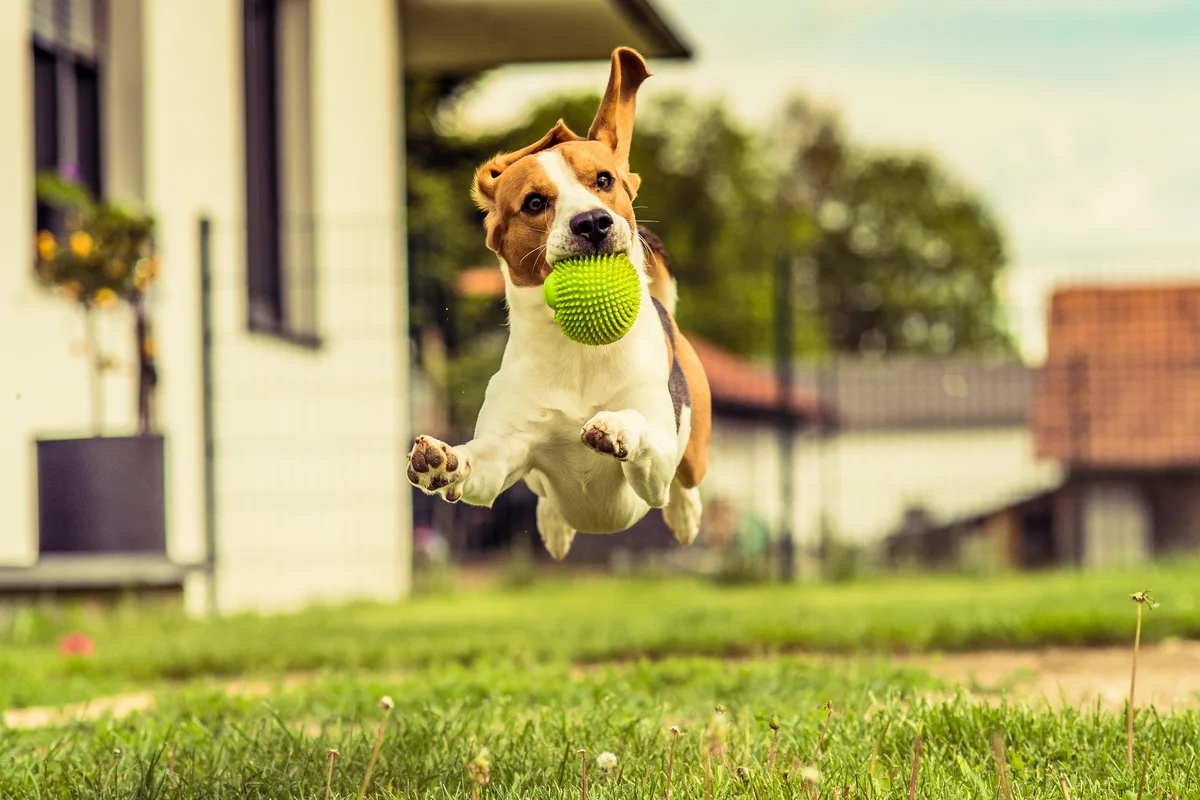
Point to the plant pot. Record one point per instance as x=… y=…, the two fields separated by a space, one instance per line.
x=101 y=495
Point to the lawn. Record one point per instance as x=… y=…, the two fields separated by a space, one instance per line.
x=535 y=675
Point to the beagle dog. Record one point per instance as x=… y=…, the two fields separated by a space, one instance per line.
x=600 y=434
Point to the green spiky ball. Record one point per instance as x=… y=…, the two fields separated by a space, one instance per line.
x=595 y=299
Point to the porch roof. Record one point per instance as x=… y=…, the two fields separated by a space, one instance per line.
x=466 y=36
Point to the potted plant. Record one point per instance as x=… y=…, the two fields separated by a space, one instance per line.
x=100 y=493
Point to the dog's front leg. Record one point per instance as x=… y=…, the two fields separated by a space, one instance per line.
x=647 y=452
x=475 y=472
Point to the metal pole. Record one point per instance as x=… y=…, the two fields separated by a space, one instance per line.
x=206 y=371
x=1080 y=409
x=785 y=331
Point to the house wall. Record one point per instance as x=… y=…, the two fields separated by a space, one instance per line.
x=864 y=480
x=311 y=501
x=43 y=375
x=870 y=477
x=743 y=471
x=312 y=504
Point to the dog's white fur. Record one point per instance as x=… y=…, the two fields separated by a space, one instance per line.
x=551 y=392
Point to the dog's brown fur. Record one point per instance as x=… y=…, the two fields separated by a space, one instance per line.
x=694 y=465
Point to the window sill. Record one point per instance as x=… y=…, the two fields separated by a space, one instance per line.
x=303 y=340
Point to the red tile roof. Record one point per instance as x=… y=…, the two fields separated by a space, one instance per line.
x=1121 y=384
x=738 y=385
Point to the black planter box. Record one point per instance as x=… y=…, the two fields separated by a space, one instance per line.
x=101 y=495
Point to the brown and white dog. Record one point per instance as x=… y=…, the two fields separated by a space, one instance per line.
x=600 y=434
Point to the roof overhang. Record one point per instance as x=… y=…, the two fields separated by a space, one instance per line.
x=469 y=36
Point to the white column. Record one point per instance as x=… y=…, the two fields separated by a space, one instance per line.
x=358 y=154
x=19 y=353
x=193 y=153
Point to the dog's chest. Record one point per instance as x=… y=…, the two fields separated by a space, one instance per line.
x=576 y=381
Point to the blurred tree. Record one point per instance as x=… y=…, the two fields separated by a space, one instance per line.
x=442 y=225
x=906 y=258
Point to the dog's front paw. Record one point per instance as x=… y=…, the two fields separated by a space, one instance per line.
x=435 y=468
x=605 y=434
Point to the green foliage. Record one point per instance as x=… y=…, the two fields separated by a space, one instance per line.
x=468 y=374
x=908 y=262
x=105 y=253
x=445 y=233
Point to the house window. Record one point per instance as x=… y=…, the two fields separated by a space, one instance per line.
x=67 y=63
x=280 y=231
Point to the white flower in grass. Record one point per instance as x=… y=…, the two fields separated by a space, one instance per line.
x=607 y=763
x=810 y=774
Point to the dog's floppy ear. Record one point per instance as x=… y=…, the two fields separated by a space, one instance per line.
x=613 y=125
x=484 y=190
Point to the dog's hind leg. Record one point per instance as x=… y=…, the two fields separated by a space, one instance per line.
x=682 y=512
x=557 y=534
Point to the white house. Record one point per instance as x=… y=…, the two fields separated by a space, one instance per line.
x=280 y=122
x=947 y=435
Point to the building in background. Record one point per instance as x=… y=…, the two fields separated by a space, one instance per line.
x=1117 y=409
x=283 y=397
x=919 y=438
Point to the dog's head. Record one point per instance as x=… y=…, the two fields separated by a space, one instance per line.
x=567 y=195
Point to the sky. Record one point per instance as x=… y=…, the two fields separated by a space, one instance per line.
x=1077 y=120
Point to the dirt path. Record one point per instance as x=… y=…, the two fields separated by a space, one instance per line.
x=1168 y=674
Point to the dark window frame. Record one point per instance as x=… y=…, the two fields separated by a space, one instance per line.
x=267 y=309
x=68 y=105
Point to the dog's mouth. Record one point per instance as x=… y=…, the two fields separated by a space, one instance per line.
x=604 y=249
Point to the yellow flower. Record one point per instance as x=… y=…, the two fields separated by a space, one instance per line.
x=71 y=289
x=47 y=245
x=145 y=270
x=81 y=244
x=105 y=298
x=117 y=269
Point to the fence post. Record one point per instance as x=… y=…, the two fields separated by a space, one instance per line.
x=785 y=332
x=206 y=378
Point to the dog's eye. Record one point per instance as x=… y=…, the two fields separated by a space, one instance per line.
x=604 y=181
x=534 y=203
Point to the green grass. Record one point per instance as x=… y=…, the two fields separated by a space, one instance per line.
x=534 y=720
x=596 y=621
x=536 y=674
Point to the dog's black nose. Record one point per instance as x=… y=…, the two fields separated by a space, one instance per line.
x=592 y=225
